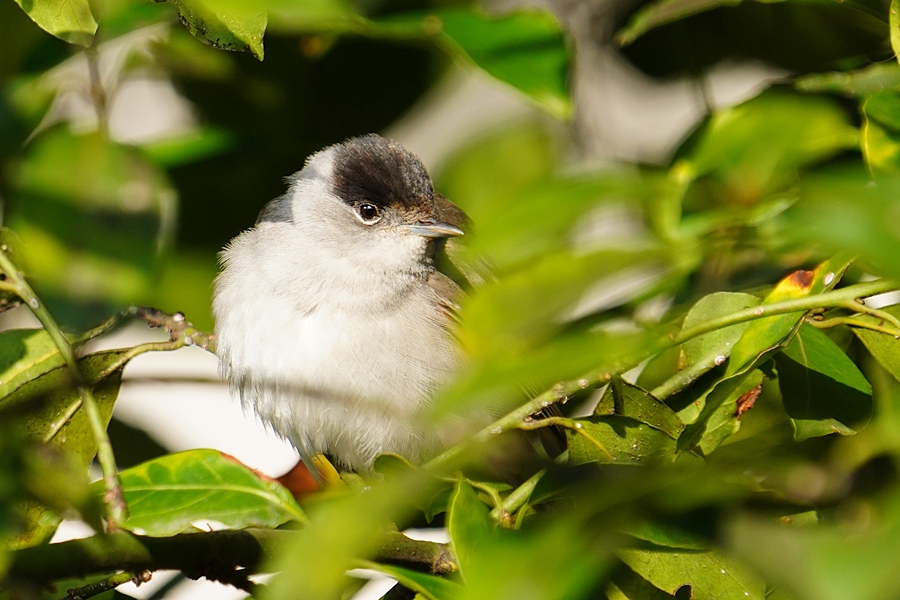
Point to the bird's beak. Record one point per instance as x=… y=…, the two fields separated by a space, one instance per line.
x=433 y=229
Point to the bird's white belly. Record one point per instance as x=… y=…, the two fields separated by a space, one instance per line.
x=348 y=383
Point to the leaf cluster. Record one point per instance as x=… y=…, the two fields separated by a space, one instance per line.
x=697 y=332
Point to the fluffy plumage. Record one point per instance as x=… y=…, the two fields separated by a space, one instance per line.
x=331 y=317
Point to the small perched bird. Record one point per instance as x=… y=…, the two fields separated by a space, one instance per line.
x=332 y=319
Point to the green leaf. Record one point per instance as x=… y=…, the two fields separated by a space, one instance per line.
x=166 y=495
x=825 y=562
x=885 y=348
x=709 y=575
x=756 y=148
x=823 y=390
x=94 y=218
x=665 y=536
x=580 y=557
x=432 y=587
x=705 y=352
x=615 y=439
x=726 y=420
x=69 y=20
x=525 y=48
x=470 y=526
x=25 y=354
x=760 y=340
x=628 y=400
x=873 y=78
x=225 y=24
x=881 y=131
x=846 y=210
x=50 y=409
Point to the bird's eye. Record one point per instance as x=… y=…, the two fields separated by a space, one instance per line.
x=368 y=213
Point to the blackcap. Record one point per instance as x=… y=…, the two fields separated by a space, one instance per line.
x=333 y=322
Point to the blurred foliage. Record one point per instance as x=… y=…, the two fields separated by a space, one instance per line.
x=729 y=404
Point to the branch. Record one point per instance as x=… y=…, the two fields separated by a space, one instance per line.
x=520 y=418
x=216 y=555
x=114 y=500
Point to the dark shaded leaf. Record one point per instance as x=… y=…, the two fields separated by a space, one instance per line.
x=823 y=390
x=615 y=439
x=628 y=400
x=860 y=83
x=50 y=409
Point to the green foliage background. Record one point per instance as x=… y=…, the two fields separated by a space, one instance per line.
x=754 y=453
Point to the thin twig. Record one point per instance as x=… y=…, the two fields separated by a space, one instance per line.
x=104 y=585
x=564 y=389
x=114 y=500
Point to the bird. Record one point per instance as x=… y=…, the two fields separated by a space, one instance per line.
x=334 y=318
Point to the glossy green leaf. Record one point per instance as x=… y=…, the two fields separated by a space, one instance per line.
x=470 y=526
x=756 y=148
x=166 y=495
x=628 y=400
x=705 y=352
x=709 y=575
x=760 y=340
x=615 y=439
x=25 y=354
x=94 y=218
x=431 y=587
x=726 y=420
x=225 y=24
x=884 y=347
x=881 y=131
x=69 y=20
x=823 y=390
x=525 y=48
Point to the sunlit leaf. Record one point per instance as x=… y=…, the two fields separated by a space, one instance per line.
x=525 y=49
x=431 y=587
x=755 y=148
x=225 y=24
x=759 y=341
x=69 y=20
x=166 y=495
x=823 y=390
x=707 y=351
x=881 y=131
x=709 y=575
x=884 y=347
x=25 y=354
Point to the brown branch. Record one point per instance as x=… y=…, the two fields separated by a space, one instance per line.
x=228 y=556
